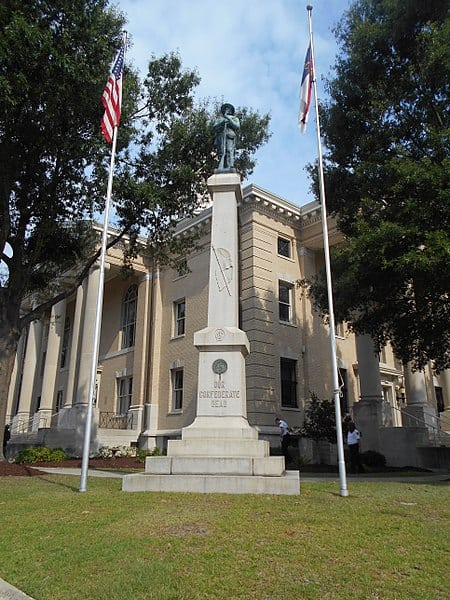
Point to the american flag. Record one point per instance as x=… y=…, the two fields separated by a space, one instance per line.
x=112 y=98
x=306 y=90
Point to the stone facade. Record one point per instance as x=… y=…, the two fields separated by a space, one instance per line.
x=148 y=364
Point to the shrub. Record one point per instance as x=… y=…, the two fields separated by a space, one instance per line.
x=320 y=420
x=142 y=454
x=40 y=454
x=116 y=452
x=371 y=458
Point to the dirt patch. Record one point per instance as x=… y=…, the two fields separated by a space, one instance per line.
x=125 y=463
x=12 y=470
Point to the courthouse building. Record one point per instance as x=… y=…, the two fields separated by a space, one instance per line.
x=146 y=386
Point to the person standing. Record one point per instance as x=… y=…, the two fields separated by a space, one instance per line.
x=353 y=437
x=285 y=438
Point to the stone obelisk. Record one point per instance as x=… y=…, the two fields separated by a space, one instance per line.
x=220 y=451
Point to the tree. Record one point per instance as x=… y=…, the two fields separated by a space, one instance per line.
x=320 y=420
x=387 y=172
x=55 y=58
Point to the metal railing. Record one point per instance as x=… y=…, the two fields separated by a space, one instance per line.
x=109 y=420
x=435 y=434
x=23 y=426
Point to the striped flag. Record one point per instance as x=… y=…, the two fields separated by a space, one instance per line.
x=305 y=91
x=112 y=98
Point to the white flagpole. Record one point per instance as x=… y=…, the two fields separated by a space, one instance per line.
x=98 y=317
x=336 y=389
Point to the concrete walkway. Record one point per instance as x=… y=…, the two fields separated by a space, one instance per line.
x=304 y=477
x=9 y=592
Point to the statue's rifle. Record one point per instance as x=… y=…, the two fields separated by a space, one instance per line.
x=224 y=141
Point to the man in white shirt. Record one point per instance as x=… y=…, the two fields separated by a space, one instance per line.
x=285 y=438
x=353 y=437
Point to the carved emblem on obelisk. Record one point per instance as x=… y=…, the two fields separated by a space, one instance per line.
x=224 y=269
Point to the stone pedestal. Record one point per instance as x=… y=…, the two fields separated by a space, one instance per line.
x=219 y=451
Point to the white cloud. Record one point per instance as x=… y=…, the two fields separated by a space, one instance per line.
x=249 y=53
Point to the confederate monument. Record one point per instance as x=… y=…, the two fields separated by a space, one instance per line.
x=226 y=127
x=220 y=451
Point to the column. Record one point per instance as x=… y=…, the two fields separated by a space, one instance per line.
x=30 y=368
x=417 y=412
x=55 y=335
x=11 y=407
x=445 y=416
x=368 y=412
x=86 y=344
x=74 y=345
x=140 y=358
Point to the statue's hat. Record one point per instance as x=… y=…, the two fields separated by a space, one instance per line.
x=225 y=106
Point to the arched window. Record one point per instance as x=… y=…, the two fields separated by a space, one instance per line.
x=129 y=307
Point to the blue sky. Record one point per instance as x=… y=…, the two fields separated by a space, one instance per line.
x=249 y=53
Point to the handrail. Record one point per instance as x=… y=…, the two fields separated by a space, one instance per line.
x=23 y=426
x=435 y=430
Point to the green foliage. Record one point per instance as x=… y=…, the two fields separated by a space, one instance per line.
x=320 y=420
x=55 y=58
x=40 y=454
x=387 y=170
x=141 y=453
x=373 y=459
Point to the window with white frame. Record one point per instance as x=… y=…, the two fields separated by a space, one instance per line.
x=177 y=389
x=284 y=247
x=124 y=394
x=180 y=317
x=285 y=291
x=65 y=343
x=339 y=329
x=129 y=310
x=288 y=376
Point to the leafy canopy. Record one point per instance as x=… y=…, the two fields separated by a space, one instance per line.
x=387 y=171
x=55 y=58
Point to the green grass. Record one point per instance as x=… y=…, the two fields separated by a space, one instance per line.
x=385 y=541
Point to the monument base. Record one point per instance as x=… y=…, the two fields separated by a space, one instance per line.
x=287 y=484
x=221 y=455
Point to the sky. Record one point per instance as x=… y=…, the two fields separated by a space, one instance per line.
x=249 y=53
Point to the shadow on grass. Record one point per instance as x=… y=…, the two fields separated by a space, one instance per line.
x=73 y=488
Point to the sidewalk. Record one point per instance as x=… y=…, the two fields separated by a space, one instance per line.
x=9 y=592
x=305 y=477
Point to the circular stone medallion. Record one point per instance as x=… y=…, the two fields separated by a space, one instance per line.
x=219 y=366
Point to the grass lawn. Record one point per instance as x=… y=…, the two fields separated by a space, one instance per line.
x=385 y=541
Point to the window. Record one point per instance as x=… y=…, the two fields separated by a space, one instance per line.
x=129 y=307
x=339 y=329
x=285 y=301
x=65 y=343
x=439 y=398
x=284 y=247
x=59 y=400
x=288 y=368
x=177 y=389
x=180 y=317
x=182 y=268
x=124 y=395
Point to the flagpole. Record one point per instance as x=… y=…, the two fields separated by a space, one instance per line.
x=98 y=317
x=336 y=389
